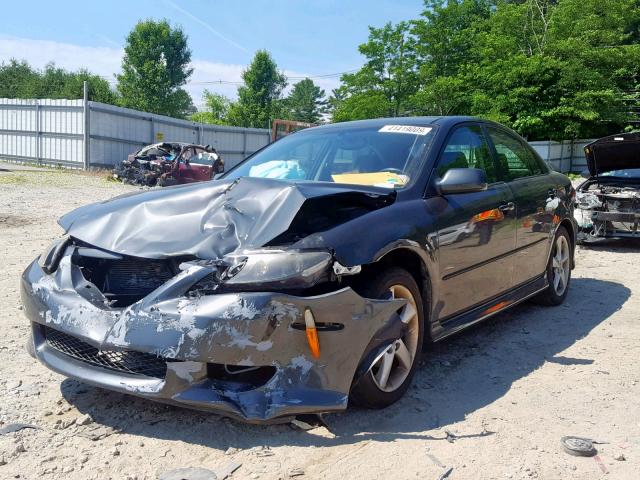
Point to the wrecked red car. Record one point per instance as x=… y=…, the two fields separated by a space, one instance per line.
x=165 y=164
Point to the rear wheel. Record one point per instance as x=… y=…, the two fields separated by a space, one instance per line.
x=389 y=374
x=558 y=270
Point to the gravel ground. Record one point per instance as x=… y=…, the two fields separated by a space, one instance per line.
x=490 y=403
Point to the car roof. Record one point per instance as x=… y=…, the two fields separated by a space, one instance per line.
x=181 y=144
x=418 y=121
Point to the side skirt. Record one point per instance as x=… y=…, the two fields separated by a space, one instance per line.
x=487 y=309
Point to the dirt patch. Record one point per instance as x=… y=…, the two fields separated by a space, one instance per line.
x=10 y=221
x=491 y=403
x=11 y=178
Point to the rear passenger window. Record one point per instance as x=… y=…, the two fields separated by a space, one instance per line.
x=467 y=148
x=514 y=160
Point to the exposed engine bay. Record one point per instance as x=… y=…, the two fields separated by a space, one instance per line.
x=608 y=202
x=605 y=210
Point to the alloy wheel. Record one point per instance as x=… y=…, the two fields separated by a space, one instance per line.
x=561 y=265
x=390 y=369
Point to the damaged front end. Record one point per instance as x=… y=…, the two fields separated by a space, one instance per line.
x=223 y=322
x=608 y=202
x=142 y=172
x=607 y=211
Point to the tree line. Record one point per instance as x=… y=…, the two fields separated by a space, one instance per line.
x=547 y=68
x=155 y=69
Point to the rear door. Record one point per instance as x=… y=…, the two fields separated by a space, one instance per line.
x=534 y=198
x=476 y=236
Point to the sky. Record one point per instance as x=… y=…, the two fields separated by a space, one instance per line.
x=316 y=38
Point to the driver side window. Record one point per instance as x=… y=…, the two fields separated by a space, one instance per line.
x=467 y=148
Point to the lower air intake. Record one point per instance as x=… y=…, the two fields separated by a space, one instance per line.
x=125 y=361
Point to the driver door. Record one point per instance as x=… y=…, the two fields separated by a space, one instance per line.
x=475 y=231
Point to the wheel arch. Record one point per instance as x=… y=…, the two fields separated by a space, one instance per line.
x=414 y=263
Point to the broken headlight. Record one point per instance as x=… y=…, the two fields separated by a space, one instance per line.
x=51 y=257
x=266 y=269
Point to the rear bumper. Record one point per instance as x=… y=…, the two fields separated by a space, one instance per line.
x=256 y=329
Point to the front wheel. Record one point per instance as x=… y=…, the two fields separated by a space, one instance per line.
x=389 y=374
x=558 y=270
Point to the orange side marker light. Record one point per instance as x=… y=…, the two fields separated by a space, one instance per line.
x=312 y=333
x=496 y=307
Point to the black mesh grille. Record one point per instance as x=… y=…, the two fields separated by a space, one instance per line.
x=136 y=276
x=122 y=361
x=127 y=280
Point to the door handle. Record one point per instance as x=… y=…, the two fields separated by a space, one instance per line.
x=507 y=207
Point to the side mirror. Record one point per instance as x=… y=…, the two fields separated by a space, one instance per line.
x=462 y=180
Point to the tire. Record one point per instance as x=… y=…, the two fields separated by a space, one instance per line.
x=367 y=391
x=553 y=295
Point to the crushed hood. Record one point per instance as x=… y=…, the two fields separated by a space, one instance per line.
x=209 y=219
x=615 y=152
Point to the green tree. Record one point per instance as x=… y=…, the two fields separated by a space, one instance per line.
x=548 y=68
x=597 y=43
x=58 y=83
x=19 y=80
x=306 y=102
x=446 y=35
x=260 y=98
x=557 y=69
x=360 y=106
x=446 y=44
x=442 y=96
x=385 y=84
x=216 y=109
x=154 y=68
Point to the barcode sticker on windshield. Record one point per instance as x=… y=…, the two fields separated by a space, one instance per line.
x=410 y=129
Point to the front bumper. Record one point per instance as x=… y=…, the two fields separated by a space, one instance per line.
x=596 y=224
x=256 y=329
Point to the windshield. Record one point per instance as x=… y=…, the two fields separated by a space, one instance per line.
x=387 y=156
x=627 y=173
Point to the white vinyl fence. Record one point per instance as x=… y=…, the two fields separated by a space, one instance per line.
x=566 y=156
x=82 y=134
x=42 y=131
